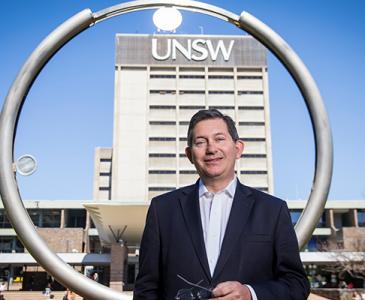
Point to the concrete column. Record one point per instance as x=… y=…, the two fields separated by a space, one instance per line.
x=331 y=218
x=356 y=220
x=118 y=263
x=63 y=219
x=86 y=233
x=87 y=225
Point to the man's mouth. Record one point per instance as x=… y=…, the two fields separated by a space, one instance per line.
x=212 y=160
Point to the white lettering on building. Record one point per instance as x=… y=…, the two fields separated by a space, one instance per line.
x=197 y=50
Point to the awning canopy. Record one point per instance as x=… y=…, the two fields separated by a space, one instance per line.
x=118 y=221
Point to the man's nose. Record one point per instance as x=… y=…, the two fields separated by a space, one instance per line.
x=211 y=147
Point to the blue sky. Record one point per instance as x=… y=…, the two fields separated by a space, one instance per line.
x=69 y=110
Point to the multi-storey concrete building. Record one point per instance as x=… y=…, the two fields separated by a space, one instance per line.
x=160 y=82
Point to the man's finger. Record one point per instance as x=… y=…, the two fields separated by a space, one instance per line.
x=224 y=288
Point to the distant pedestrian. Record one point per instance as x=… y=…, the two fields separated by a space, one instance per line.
x=2 y=287
x=96 y=277
x=69 y=295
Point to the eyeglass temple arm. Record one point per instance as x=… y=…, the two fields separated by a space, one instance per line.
x=194 y=284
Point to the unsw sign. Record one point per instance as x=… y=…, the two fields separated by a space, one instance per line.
x=197 y=49
x=210 y=50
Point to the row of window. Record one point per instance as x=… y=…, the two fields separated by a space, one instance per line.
x=202 y=92
x=341 y=219
x=198 y=107
x=184 y=139
x=190 y=69
x=74 y=218
x=251 y=172
x=186 y=123
x=169 y=188
x=184 y=155
x=169 y=76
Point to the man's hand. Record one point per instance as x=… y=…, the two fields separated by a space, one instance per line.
x=231 y=290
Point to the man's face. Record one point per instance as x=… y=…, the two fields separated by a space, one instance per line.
x=213 y=151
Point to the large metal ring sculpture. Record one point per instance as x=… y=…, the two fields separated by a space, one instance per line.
x=83 y=20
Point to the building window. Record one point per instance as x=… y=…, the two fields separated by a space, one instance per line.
x=192 y=92
x=10 y=244
x=254 y=172
x=220 y=77
x=163 y=69
x=6 y=244
x=250 y=107
x=163 y=92
x=4 y=221
x=251 y=123
x=162 y=155
x=95 y=245
x=250 y=93
x=161 y=172
x=162 y=76
x=253 y=155
x=160 y=188
x=295 y=214
x=45 y=217
x=361 y=217
x=162 y=106
x=162 y=139
x=220 y=70
x=221 y=107
x=221 y=92
x=248 y=77
x=191 y=107
x=343 y=219
x=162 y=123
x=191 y=76
x=188 y=172
x=76 y=218
x=252 y=139
x=322 y=221
x=184 y=123
x=51 y=218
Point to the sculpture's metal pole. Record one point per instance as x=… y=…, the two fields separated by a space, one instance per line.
x=11 y=111
x=321 y=127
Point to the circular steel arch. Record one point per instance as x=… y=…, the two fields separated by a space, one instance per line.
x=73 y=26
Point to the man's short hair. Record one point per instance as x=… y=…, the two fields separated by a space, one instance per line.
x=207 y=114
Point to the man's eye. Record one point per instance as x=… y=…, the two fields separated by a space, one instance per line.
x=199 y=143
x=221 y=138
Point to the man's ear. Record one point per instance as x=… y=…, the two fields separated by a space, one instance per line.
x=239 y=147
x=188 y=154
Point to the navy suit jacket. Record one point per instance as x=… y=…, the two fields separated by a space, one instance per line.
x=259 y=248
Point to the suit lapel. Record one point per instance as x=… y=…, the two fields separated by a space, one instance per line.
x=239 y=215
x=189 y=201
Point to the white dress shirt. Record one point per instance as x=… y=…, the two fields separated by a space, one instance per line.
x=215 y=209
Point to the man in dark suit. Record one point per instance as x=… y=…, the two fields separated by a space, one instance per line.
x=234 y=239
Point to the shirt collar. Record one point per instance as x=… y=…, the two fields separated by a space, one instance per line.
x=230 y=189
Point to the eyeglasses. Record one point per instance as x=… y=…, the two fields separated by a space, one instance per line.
x=195 y=292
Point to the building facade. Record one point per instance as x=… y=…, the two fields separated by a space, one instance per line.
x=160 y=82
